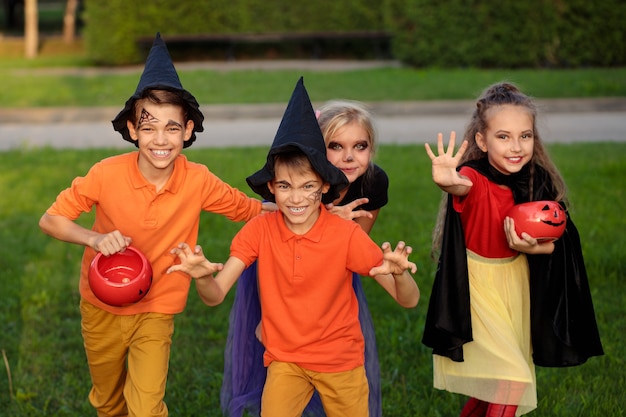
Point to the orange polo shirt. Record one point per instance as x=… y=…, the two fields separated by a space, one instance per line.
x=309 y=309
x=156 y=222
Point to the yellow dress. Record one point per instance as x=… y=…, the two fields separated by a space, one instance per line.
x=498 y=366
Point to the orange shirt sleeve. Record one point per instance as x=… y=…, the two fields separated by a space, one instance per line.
x=222 y=198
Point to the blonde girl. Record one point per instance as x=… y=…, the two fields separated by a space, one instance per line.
x=350 y=138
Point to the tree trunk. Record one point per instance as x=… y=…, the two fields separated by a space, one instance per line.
x=31 y=28
x=69 y=21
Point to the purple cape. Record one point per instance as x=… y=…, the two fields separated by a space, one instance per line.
x=244 y=373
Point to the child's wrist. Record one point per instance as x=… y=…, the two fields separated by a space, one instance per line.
x=208 y=270
x=203 y=277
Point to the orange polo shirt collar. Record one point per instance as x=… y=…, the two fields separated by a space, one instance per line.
x=173 y=184
x=314 y=234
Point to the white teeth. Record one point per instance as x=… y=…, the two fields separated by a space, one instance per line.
x=297 y=209
x=161 y=153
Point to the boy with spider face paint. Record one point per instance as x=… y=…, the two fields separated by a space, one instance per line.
x=152 y=199
x=305 y=259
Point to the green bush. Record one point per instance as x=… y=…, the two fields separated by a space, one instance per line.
x=495 y=34
x=591 y=33
x=113 y=28
x=426 y=33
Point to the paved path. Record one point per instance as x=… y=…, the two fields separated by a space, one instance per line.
x=564 y=121
x=561 y=120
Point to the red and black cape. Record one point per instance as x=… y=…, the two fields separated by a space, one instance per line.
x=563 y=325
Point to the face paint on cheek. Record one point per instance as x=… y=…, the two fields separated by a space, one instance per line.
x=146 y=117
x=315 y=195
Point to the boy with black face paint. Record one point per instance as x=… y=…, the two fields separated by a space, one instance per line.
x=306 y=257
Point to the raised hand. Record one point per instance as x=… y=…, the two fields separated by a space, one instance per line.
x=444 y=164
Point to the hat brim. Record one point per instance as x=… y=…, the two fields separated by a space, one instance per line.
x=329 y=173
x=193 y=109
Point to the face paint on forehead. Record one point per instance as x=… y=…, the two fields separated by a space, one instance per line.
x=146 y=117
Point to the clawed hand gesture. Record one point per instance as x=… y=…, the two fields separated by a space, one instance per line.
x=445 y=163
x=346 y=211
x=193 y=262
x=395 y=262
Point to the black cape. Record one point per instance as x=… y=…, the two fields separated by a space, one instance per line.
x=564 y=331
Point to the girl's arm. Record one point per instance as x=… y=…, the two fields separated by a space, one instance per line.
x=62 y=228
x=268 y=207
x=212 y=290
x=393 y=275
x=444 y=166
x=367 y=222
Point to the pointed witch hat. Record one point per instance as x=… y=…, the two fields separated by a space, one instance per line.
x=299 y=130
x=159 y=74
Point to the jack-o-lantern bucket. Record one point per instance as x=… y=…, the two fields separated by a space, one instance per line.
x=122 y=278
x=544 y=220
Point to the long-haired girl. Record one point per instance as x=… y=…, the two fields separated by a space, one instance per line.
x=502 y=303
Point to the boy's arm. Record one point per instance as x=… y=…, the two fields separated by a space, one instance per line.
x=393 y=275
x=212 y=290
x=62 y=228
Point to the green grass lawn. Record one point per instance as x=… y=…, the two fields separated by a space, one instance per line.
x=41 y=88
x=40 y=323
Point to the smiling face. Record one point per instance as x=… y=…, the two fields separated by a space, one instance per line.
x=160 y=133
x=350 y=150
x=298 y=192
x=509 y=138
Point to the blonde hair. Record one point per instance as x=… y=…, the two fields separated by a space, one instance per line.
x=336 y=114
x=500 y=94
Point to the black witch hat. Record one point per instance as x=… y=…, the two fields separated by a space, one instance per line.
x=159 y=74
x=299 y=130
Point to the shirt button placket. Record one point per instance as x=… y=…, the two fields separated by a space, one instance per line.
x=297 y=267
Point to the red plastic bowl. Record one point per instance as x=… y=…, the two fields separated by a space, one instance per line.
x=122 y=278
x=543 y=220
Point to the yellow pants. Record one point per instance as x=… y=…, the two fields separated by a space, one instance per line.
x=128 y=359
x=288 y=389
